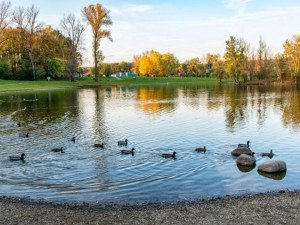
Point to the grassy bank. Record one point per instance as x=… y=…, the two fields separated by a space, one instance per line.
x=12 y=85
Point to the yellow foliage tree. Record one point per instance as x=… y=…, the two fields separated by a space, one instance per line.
x=292 y=52
x=155 y=64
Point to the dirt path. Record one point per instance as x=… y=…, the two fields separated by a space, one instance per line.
x=273 y=208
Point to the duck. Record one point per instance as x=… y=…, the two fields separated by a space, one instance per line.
x=24 y=135
x=19 y=124
x=244 y=145
x=201 y=149
x=123 y=143
x=72 y=139
x=17 y=158
x=165 y=155
x=128 y=151
x=99 y=145
x=270 y=154
x=58 y=150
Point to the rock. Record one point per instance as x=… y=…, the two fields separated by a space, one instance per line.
x=273 y=176
x=272 y=166
x=246 y=160
x=245 y=169
x=241 y=150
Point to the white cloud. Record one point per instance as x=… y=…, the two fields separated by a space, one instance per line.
x=139 y=8
x=238 y=5
x=131 y=9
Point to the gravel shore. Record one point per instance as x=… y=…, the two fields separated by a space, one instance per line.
x=270 y=208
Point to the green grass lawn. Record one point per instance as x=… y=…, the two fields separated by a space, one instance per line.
x=12 y=85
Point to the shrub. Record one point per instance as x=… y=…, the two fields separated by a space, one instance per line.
x=4 y=70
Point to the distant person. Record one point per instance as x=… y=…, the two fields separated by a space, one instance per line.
x=48 y=78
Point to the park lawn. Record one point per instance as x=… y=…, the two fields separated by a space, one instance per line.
x=12 y=85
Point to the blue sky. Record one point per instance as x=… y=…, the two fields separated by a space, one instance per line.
x=187 y=28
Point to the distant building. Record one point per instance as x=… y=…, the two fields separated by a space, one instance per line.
x=124 y=75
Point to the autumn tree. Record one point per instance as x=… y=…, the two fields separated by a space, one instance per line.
x=193 y=67
x=235 y=57
x=182 y=70
x=136 y=64
x=29 y=27
x=281 y=67
x=209 y=60
x=155 y=64
x=98 y=17
x=218 y=69
x=5 y=14
x=73 y=29
x=292 y=53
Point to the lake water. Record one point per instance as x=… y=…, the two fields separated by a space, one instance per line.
x=155 y=120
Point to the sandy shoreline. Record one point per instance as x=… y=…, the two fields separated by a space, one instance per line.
x=269 y=208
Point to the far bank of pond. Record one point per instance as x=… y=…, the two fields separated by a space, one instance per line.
x=13 y=85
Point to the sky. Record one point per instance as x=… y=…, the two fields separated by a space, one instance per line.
x=188 y=29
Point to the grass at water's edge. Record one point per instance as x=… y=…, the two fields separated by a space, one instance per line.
x=12 y=85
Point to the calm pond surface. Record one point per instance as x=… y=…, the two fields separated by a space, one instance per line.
x=156 y=120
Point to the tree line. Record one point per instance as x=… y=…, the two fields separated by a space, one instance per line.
x=240 y=63
x=31 y=50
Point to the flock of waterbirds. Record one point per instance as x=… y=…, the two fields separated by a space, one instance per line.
x=125 y=143
x=73 y=139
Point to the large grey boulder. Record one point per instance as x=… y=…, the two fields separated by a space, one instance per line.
x=272 y=166
x=246 y=160
x=241 y=150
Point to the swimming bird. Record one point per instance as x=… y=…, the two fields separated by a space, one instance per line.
x=19 y=124
x=99 y=145
x=270 y=154
x=17 y=158
x=169 y=155
x=244 y=145
x=201 y=149
x=123 y=143
x=58 y=150
x=128 y=151
x=72 y=139
x=24 y=135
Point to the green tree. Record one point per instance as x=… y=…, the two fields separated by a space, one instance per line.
x=55 y=67
x=169 y=64
x=98 y=17
x=4 y=70
x=281 y=67
x=235 y=57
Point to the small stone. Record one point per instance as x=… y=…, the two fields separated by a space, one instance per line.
x=272 y=166
x=241 y=150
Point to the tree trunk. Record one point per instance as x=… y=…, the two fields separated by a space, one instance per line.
x=32 y=63
x=95 y=59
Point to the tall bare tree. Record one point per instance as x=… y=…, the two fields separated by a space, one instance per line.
x=26 y=20
x=97 y=16
x=73 y=29
x=5 y=14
